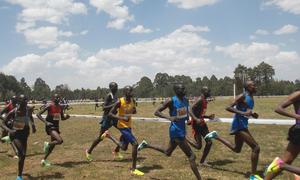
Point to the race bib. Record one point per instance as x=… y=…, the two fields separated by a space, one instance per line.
x=182 y=112
x=56 y=116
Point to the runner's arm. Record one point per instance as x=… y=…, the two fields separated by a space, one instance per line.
x=114 y=109
x=165 y=105
x=281 y=108
x=197 y=104
x=39 y=114
x=231 y=108
x=9 y=115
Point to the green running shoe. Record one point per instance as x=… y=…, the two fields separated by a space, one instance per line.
x=137 y=172
x=118 y=155
x=45 y=163
x=88 y=156
x=6 y=139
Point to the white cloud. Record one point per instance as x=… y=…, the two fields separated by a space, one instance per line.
x=45 y=11
x=190 y=4
x=261 y=32
x=54 y=11
x=292 y=6
x=180 y=52
x=285 y=63
x=191 y=28
x=45 y=37
x=287 y=29
x=136 y=1
x=140 y=29
x=184 y=51
x=118 y=12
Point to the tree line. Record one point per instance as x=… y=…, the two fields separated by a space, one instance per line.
x=263 y=75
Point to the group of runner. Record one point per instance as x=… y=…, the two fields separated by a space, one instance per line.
x=17 y=118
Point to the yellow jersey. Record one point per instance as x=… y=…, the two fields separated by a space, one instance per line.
x=125 y=109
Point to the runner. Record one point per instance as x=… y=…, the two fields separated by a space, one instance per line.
x=4 y=136
x=126 y=108
x=106 y=122
x=200 y=129
x=242 y=108
x=178 y=108
x=21 y=116
x=55 y=114
x=293 y=148
x=9 y=107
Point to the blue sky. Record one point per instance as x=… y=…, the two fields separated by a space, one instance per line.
x=90 y=43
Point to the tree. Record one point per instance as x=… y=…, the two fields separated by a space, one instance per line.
x=64 y=91
x=240 y=76
x=41 y=90
x=144 y=87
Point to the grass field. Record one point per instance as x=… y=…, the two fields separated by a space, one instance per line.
x=263 y=106
x=69 y=160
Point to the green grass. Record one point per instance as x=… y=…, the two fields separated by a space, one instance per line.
x=69 y=162
x=78 y=133
x=263 y=106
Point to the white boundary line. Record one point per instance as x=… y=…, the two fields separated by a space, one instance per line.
x=224 y=120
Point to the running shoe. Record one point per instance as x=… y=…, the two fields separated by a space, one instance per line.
x=142 y=145
x=16 y=157
x=137 y=172
x=118 y=155
x=46 y=147
x=88 y=156
x=19 y=178
x=274 y=167
x=105 y=134
x=255 y=177
x=205 y=164
x=6 y=139
x=211 y=135
x=45 y=163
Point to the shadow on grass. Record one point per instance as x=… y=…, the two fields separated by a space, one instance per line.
x=229 y=170
x=35 y=154
x=220 y=162
x=70 y=164
x=56 y=175
x=147 y=169
x=123 y=160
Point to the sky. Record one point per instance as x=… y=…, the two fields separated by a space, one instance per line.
x=89 y=43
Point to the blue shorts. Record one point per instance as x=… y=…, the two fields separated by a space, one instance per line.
x=238 y=125
x=107 y=122
x=127 y=135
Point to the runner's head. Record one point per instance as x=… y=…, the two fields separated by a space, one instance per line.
x=128 y=91
x=22 y=100
x=14 y=100
x=250 y=87
x=205 y=91
x=113 y=87
x=56 y=99
x=179 y=90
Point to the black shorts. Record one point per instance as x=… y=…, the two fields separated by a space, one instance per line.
x=294 y=134
x=200 y=129
x=52 y=128
x=107 y=123
x=21 y=135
